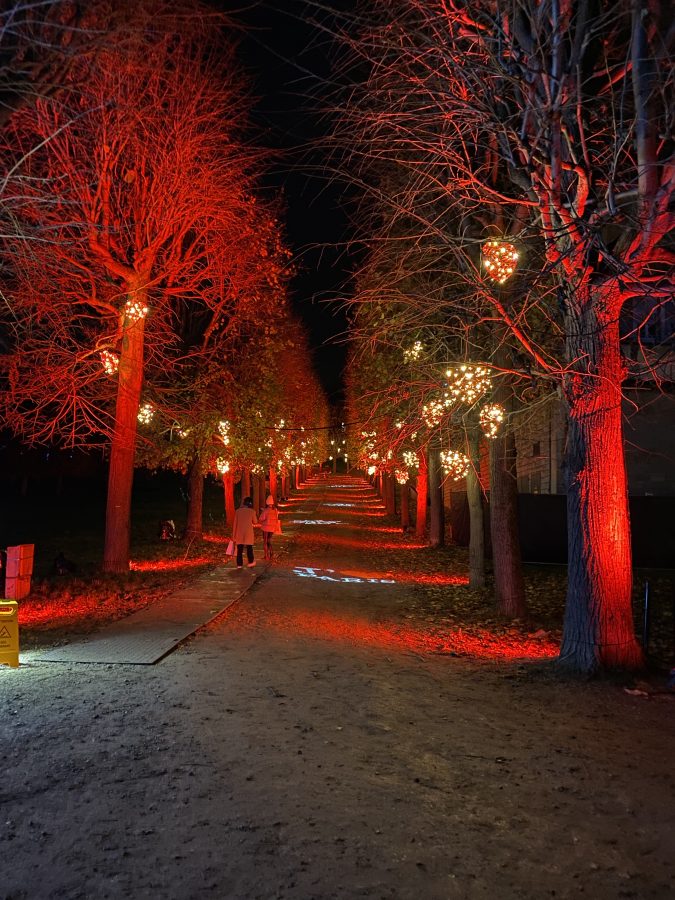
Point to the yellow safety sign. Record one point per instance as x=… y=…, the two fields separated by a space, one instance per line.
x=9 y=633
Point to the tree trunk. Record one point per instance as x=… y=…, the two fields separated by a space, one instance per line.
x=195 y=503
x=273 y=483
x=598 y=631
x=504 y=534
x=474 y=496
x=257 y=491
x=436 y=516
x=228 y=494
x=405 y=507
x=422 y=493
x=245 y=483
x=298 y=479
x=389 y=485
x=123 y=445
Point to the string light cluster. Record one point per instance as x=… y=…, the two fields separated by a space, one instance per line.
x=135 y=311
x=372 y=470
x=491 y=418
x=110 y=362
x=413 y=353
x=222 y=465
x=224 y=431
x=145 y=413
x=455 y=464
x=410 y=459
x=432 y=412
x=500 y=260
x=402 y=476
x=467 y=383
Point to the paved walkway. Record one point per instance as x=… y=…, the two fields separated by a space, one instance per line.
x=146 y=637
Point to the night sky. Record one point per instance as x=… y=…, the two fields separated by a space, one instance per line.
x=287 y=59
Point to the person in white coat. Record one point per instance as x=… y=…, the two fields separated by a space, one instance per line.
x=242 y=532
x=270 y=523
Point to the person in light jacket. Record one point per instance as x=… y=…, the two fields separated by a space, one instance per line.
x=242 y=532
x=270 y=524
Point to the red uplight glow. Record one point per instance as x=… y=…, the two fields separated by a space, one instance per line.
x=166 y=565
x=480 y=644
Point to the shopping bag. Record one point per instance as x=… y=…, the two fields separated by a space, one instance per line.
x=231 y=549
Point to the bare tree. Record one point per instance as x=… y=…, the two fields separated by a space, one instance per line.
x=134 y=200
x=559 y=116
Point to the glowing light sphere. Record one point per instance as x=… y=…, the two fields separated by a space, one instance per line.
x=466 y=383
x=491 y=419
x=413 y=353
x=372 y=470
x=135 y=311
x=410 y=459
x=145 y=413
x=432 y=413
x=224 y=431
x=222 y=465
x=499 y=260
x=110 y=362
x=402 y=476
x=455 y=464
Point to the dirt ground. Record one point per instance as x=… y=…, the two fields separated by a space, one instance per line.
x=306 y=745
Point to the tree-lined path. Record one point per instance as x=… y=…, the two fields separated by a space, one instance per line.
x=321 y=740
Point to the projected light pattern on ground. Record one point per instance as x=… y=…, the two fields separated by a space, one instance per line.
x=332 y=575
x=315 y=522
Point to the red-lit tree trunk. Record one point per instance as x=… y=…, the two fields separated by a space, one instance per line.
x=422 y=493
x=474 y=496
x=195 y=501
x=405 y=507
x=504 y=534
x=245 y=483
x=436 y=512
x=228 y=494
x=257 y=491
x=389 y=485
x=123 y=445
x=273 y=483
x=598 y=631
x=298 y=478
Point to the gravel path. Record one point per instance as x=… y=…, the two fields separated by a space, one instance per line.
x=298 y=748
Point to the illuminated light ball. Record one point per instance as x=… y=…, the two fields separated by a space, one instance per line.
x=467 y=383
x=455 y=464
x=135 y=311
x=499 y=260
x=224 y=431
x=145 y=413
x=410 y=459
x=413 y=353
x=110 y=362
x=491 y=419
x=401 y=476
x=222 y=465
x=372 y=470
x=432 y=413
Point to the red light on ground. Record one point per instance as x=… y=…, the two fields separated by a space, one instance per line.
x=390 y=636
x=167 y=565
